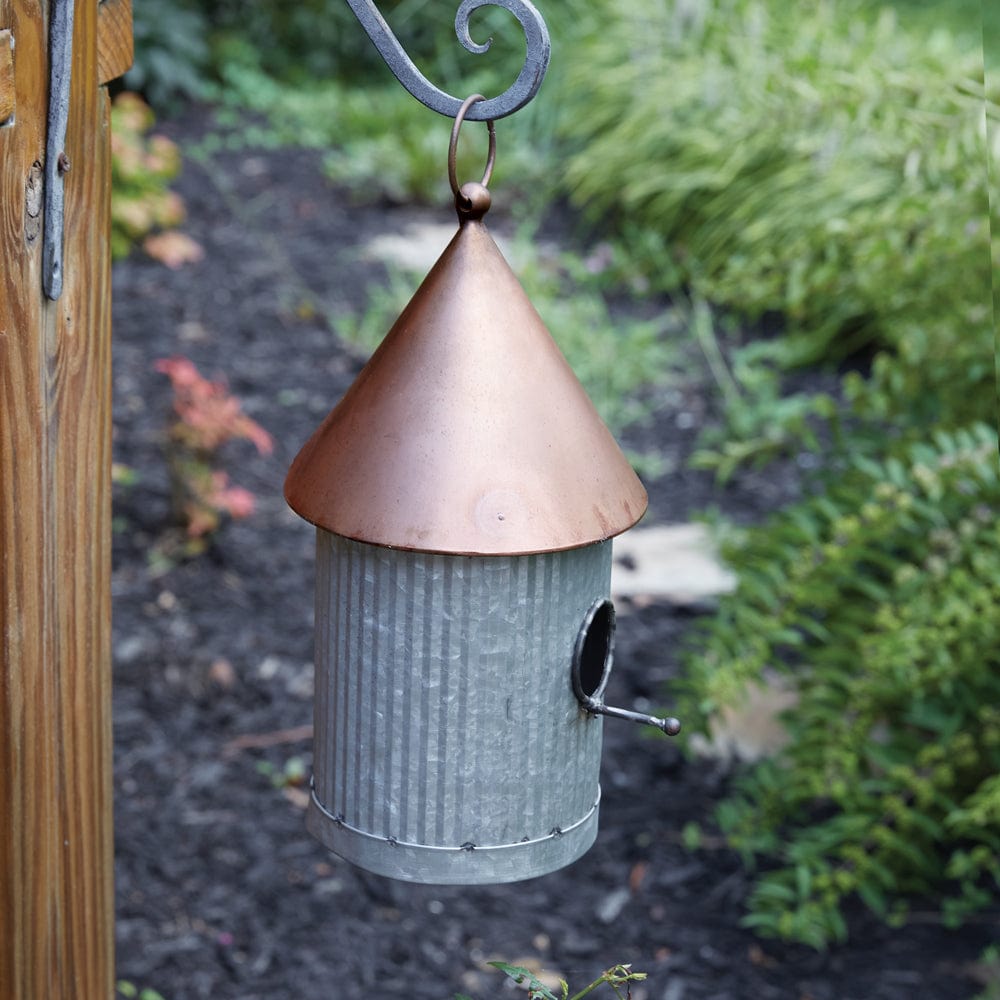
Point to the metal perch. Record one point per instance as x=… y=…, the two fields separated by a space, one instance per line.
x=519 y=93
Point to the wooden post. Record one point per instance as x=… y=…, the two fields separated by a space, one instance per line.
x=56 y=847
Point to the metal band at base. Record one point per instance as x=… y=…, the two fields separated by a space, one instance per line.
x=467 y=864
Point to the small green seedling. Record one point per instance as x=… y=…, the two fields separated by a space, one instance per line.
x=616 y=977
x=132 y=992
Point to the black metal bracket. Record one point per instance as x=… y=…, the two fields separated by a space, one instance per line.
x=56 y=161
x=519 y=93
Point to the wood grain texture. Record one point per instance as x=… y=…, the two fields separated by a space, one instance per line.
x=7 y=92
x=114 y=39
x=56 y=847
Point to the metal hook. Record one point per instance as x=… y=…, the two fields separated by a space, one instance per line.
x=522 y=90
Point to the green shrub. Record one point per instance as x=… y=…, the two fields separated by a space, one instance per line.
x=880 y=599
x=989 y=973
x=307 y=39
x=760 y=421
x=142 y=166
x=172 y=53
x=822 y=165
x=321 y=40
x=180 y=45
x=826 y=167
x=798 y=160
x=380 y=143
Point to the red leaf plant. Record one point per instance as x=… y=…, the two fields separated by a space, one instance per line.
x=207 y=416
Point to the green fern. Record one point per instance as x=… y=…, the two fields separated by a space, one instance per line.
x=803 y=160
x=880 y=599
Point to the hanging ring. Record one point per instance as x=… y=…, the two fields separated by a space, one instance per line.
x=453 y=148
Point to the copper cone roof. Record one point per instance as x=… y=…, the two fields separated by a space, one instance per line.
x=467 y=432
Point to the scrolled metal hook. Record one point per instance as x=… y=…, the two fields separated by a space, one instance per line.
x=519 y=93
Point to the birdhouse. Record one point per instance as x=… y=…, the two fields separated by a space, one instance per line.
x=465 y=494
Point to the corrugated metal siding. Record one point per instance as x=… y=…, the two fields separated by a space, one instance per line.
x=444 y=710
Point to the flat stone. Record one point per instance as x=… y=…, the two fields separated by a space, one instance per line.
x=676 y=990
x=678 y=563
x=752 y=728
x=417 y=246
x=132 y=648
x=610 y=908
x=674 y=562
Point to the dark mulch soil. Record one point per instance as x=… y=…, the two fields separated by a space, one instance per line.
x=221 y=892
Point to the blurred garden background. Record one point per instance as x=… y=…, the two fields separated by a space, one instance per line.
x=788 y=203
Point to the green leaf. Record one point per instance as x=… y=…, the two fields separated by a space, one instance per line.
x=803 y=880
x=522 y=976
x=873 y=897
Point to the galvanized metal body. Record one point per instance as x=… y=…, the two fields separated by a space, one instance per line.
x=450 y=746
